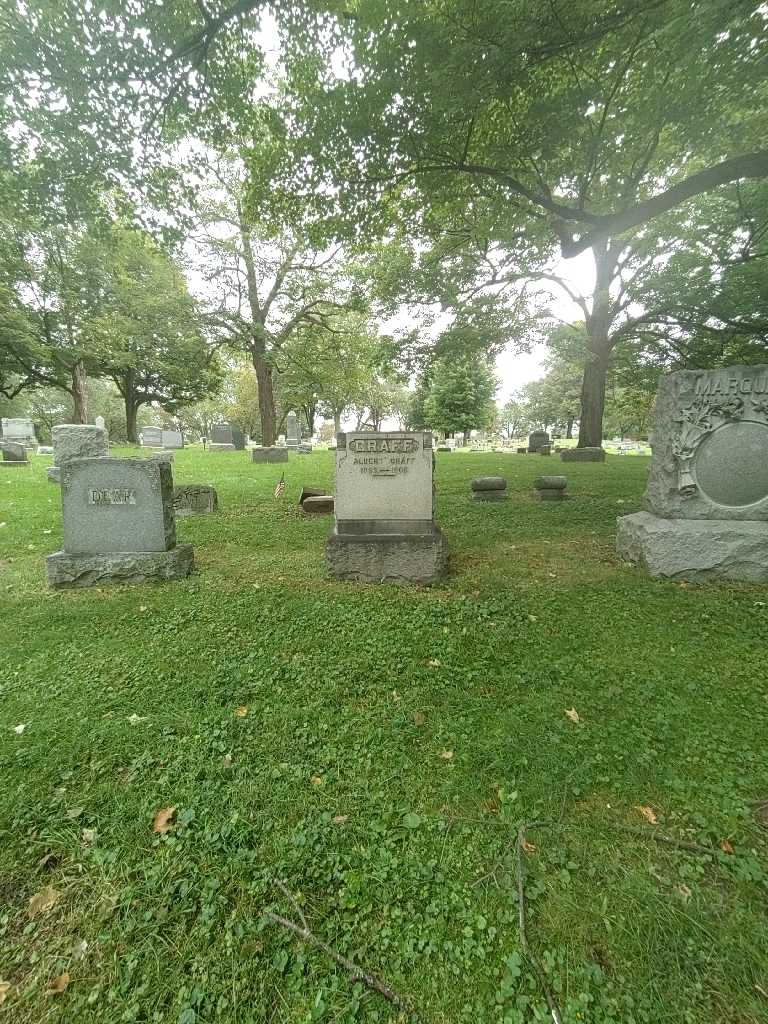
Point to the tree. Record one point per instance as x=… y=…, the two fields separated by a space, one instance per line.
x=144 y=329
x=460 y=396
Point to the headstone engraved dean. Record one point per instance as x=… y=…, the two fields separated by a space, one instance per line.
x=119 y=524
x=151 y=437
x=76 y=441
x=220 y=439
x=292 y=427
x=385 y=526
x=707 y=495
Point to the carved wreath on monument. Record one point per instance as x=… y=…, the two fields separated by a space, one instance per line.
x=702 y=417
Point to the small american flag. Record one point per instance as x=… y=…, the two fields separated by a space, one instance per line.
x=280 y=489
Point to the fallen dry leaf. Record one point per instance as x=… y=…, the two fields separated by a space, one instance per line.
x=573 y=714
x=434 y=663
x=74 y=812
x=227 y=760
x=89 y=836
x=242 y=711
x=163 y=820
x=447 y=755
x=19 y=729
x=316 y=780
x=648 y=813
x=58 y=985
x=340 y=819
x=142 y=607
x=418 y=718
x=529 y=847
x=685 y=892
x=5 y=988
x=726 y=847
x=43 y=901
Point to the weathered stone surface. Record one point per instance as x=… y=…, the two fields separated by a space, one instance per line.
x=547 y=495
x=710 y=445
x=216 y=447
x=54 y=474
x=304 y=448
x=14 y=454
x=151 y=437
x=269 y=455
x=582 y=455
x=489 y=483
x=194 y=500
x=79 y=441
x=238 y=438
x=489 y=495
x=66 y=570
x=537 y=439
x=221 y=433
x=522 y=451
x=318 y=505
x=162 y=456
x=18 y=429
x=545 y=449
x=312 y=492
x=173 y=439
x=550 y=483
x=293 y=434
x=44 y=449
x=696 y=550
x=122 y=505
x=381 y=558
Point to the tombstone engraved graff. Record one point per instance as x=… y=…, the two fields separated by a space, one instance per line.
x=384 y=509
x=707 y=495
x=119 y=524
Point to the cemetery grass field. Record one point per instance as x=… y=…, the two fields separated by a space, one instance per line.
x=376 y=749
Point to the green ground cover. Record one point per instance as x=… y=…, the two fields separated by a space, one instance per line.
x=389 y=743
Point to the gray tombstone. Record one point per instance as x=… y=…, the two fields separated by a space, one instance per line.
x=20 y=430
x=100 y=422
x=293 y=433
x=119 y=524
x=151 y=437
x=194 y=500
x=173 y=439
x=14 y=454
x=238 y=437
x=537 y=440
x=582 y=455
x=707 y=496
x=76 y=441
x=551 y=488
x=269 y=454
x=221 y=439
x=318 y=505
x=385 y=525
x=489 y=488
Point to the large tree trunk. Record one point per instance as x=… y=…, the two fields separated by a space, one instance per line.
x=131 y=410
x=337 y=421
x=569 y=428
x=79 y=394
x=266 y=398
x=599 y=345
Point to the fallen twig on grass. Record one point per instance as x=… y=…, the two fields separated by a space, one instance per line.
x=303 y=932
x=554 y=1009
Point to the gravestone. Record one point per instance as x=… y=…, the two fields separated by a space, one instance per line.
x=76 y=441
x=489 y=488
x=221 y=439
x=293 y=433
x=194 y=500
x=238 y=438
x=19 y=430
x=14 y=454
x=582 y=455
x=304 y=448
x=119 y=524
x=100 y=422
x=318 y=505
x=151 y=437
x=173 y=439
x=385 y=526
x=269 y=454
x=538 y=439
x=551 y=488
x=545 y=449
x=707 y=495
x=522 y=451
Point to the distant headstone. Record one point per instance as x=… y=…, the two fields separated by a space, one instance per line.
x=14 y=454
x=162 y=456
x=172 y=439
x=311 y=492
x=707 y=496
x=100 y=422
x=385 y=526
x=489 y=488
x=545 y=449
x=522 y=451
x=318 y=505
x=44 y=449
x=119 y=524
x=151 y=437
x=194 y=500
x=537 y=440
x=19 y=430
x=551 y=488
x=270 y=455
x=238 y=438
x=292 y=429
x=304 y=448
x=582 y=455
x=220 y=439
x=76 y=441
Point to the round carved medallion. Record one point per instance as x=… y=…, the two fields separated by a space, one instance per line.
x=732 y=464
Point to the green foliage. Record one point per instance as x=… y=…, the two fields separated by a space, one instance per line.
x=460 y=396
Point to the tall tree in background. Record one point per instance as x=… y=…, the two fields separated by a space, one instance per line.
x=460 y=396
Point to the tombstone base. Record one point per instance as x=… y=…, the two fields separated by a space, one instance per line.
x=497 y=495
x=64 y=570
x=54 y=474
x=696 y=550
x=273 y=454
x=16 y=462
x=582 y=455
x=213 y=447
x=387 y=557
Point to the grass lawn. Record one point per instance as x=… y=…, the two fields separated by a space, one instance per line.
x=376 y=749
